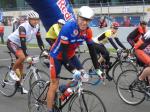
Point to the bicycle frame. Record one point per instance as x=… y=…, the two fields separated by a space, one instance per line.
x=59 y=104
x=31 y=69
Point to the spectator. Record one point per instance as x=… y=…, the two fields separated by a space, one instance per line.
x=126 y=22
x=2 y=32
x=16 y=23
x=102 y=22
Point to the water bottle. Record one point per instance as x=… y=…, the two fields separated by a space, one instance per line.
x=66 y=94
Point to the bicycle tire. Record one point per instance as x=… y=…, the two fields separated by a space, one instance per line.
x=7 y=85
x=40 y=75
x=120 y=67
x=127 y=88
x=88 y=106
x=94 y=79
x=37 y=96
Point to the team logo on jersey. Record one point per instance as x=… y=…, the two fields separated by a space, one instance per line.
x=75 y=33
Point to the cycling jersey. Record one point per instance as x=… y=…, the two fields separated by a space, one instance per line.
x=108 y=36
x=1 y=29
x=71 y=36
x=142 y=48
x=135 y=35
x=103 y=38
x=25 y=33
x=53 y=32
x=29 y=33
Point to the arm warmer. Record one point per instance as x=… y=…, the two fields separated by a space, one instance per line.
x=22 y=36
x=39 y=41
x=119 y=43
x=112 y=43
x=93 y=55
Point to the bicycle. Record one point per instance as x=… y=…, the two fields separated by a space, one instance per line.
x=79 y=101
x=9 y=87
x=130 y=89
x=119 y=63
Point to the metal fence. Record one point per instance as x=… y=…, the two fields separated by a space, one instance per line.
x=94 y=3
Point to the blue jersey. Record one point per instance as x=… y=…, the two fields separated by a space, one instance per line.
x=73 y=37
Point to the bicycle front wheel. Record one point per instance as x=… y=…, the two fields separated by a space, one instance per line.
x=7 y=85
x=128 y=89
x=37 y=76
x=37 y=96
x=120 y=67
x=94 y=79
x=87 y=101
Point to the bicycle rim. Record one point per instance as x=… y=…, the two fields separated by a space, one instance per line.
x=7 y=85
x=39 y=75
x=120 y=67
x=127 y=89
x=86 y=102
x=37 y=97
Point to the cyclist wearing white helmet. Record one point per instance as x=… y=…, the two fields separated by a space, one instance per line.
x=17 y=40
x=72 y=34
x=53 y=31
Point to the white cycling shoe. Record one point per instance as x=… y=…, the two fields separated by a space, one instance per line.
x=24 y=91
x=13 y=75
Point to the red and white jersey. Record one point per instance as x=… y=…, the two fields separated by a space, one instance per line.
x=30 y=33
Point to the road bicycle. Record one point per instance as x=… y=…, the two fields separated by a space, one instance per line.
x=8 y=87
x=80 y=100
x=130 y=89
x=119 y=63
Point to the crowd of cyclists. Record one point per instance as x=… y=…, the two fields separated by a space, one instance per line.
x=64 y=37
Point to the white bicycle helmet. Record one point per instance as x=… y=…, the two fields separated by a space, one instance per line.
x=86 y=12
x=33 y=15
x=61 y=21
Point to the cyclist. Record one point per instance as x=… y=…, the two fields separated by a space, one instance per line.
x=17 y=40
x=72 y=34
x=133 y=37
x=142 y=51
x=53 y=32
x=105 y=37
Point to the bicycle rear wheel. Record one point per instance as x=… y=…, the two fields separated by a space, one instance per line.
x=120 y=67
x=39 y=75
x=87 y=101
x=7 y=85
x=128 y=89
x=37 y=96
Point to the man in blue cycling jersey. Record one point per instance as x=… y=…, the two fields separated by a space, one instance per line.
x=72 y=34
